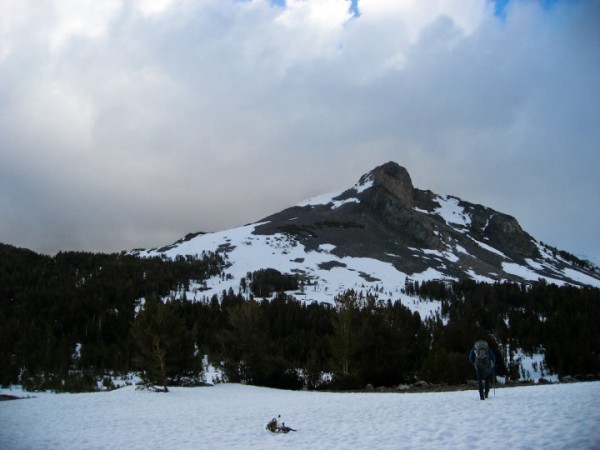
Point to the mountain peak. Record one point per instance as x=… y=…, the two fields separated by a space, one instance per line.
x=379 y=235
x=395 y=179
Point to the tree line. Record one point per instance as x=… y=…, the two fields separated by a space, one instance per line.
x=71 y=320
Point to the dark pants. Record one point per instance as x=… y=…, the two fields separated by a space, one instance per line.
x=484 y=380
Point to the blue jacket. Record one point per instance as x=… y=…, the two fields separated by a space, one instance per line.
x=490 y=355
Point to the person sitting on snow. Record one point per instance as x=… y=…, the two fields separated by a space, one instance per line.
x=274 y=427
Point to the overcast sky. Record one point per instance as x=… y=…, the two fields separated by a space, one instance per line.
x=128 y=124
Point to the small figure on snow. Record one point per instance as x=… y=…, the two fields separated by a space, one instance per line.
x=484 y=361
x=275 y=427
x=285 y=429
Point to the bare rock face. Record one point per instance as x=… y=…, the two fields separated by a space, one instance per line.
x=391 y=202
x=395 y=180
x=504 y=232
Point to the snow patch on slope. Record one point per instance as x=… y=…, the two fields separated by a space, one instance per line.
x=324 y=199
x=532 y=367
x=581 y=277
x=480 y=278
x=329 y=198
x=519 y=270
x=327 y=275
x=489 y=248
x=452 y=212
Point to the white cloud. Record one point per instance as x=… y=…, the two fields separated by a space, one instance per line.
x=154 y=7
x=187 y=115
x=414 y=16
x=62 y=20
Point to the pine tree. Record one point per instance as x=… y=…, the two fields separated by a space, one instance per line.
x=165 y=346
x=245 y=342
x=344 y=340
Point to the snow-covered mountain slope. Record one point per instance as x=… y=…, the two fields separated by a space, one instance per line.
x=376 y=236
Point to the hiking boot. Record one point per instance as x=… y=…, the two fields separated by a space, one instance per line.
x=481 y=396
x=487 y=393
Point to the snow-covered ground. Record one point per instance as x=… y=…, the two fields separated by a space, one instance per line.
x=233 y=416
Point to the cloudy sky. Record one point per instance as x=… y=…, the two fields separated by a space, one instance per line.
x=129 y=123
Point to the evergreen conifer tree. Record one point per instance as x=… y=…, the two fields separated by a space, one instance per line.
x=345 y=336
x=165 y=347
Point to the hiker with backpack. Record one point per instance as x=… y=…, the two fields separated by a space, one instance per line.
x=484 y=361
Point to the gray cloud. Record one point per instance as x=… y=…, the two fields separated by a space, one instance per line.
x=125 y=126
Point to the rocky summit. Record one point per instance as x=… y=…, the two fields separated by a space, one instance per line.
x=380 y=234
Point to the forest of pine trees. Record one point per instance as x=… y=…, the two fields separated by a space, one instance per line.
x=76 y=318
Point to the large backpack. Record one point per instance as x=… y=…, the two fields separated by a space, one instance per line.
x=272 y=425
x=482 y=356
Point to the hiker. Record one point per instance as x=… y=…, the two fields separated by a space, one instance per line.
x=484 y=361
x=273 y=425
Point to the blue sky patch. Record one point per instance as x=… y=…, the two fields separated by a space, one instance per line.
x=501 y=5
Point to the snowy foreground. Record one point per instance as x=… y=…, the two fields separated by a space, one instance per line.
x=232 y=416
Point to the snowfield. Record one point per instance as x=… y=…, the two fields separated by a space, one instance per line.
x=233 y=416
